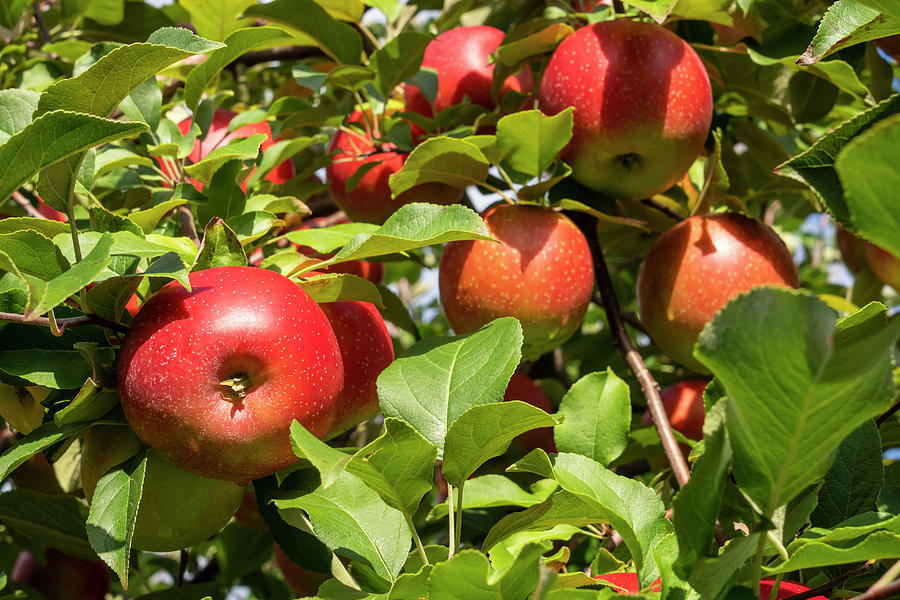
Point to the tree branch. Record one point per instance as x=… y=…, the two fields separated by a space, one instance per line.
x=39 y=20
x=877 y=592
x=188 y=227
x=64 y=324
x=588 y=226
x=889 y=412
x=27 y=206
x=827 y=587
x=277 y=54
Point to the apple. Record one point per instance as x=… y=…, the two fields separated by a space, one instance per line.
x=371 y=200
x=643 y=106
x=248 y=515
x=177 y=509
x=891 y=46
x=303 y=582
x=627 y=583
x=785 y=590
x=218 y=136
x=541 y=272
x=213 y=378
x=684 y=406
x=884 y=264
x=366 y=350
x=462 y=58
x=64 y=577
x=525 y=389
x=696 y=267
x=853 y=249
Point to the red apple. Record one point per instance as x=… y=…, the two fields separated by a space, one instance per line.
x=64 y=577
x=891 y=46
x=248 y=515
x=696 y=267
x=684 y=406
x=884 y=264
x=462 y=59
x=525 y=389
x=643 y=106
x=302 y=582
x=627 y=583
x=853 y=249
x=177 y=509
x=51 y=213
x=213 y=378
x=785 y=590
x=218 y=136
x=541 y=272
x=366 y=350
x=371 y=201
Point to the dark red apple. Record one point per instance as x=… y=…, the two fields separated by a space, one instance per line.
x=684 y=406
x=371 y=201
x=64 y=577
x=643 y=106
x=213 y=378
x=696 y=267
x=541 y=272
x=366 y=350
x=462 y=58
x=525 y=389
x=177 y=509
x=853 y=249
x=884 y=264
x=785 y=590
x=302 y=582
x=627 y=583
x=891 y=46
x=248 y=515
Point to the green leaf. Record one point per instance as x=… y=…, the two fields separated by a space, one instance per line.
x=488 y=491
x=657 y=9
x=712 y=574
x=351 y=518
x=887 y=7
x=107 y=82
x=279 y=152
x=253 y=225
x=149 y=218
x=446 y=160
x=340 y=287
x=463 y=577
x=244 y=149
x=485 y=431
x=33 y=254
x=816 y=166
x=216 y=19
x=16 y=108
x=236 y=44
x=11 y=11
x=205 y=591
x=854 y=480
x=144 y=103
x=812 y=98
x=398 y=60
x=338 y=40
x=327 y=239
x=868 y=172
x=793 y=397
x=330 y=462
x=113 y=509
x=441 y=378
x=870 y=536
x=845 y=23
x=530 y=140
x=52 y=137
x=48 y=519
x=41 y=438
x=92 y=402
x=414 y=226
x=112 y=158
x=46 y=227
x=597 y=411
x=57 y=369
x=220 y=248
x=349 y=77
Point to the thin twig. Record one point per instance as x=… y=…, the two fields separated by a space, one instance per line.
x=878 y=592
x=27 y=206
x=628 y=317
x=661 y=208
x=588 y=226
x=182 y=567
x=63 y=324
x=188 y=227
x=889 y=412
x=281 y=53
x=827 y=587
x=39 y=20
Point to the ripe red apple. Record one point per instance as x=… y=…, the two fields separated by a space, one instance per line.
x=462 y=58
x=177 y=509
x=370 y=201
x=643 y=106
x=525 y=389
x=302 y=582
x=696 y=267
x=884 y=264
x=891 y=46
x=218 y=136
x=684 y=406
x=627 y=583
x=541 y=272
x=366 y=350
x=853 y=249
x=785 y=590
x=212 y=378
x=51 y=213
x=64 y=577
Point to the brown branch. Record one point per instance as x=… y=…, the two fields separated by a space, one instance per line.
x=828 y=586
x=188 y=227
x=39 y=20
x=27 y=206
x=889 y=412
x=877 y=592
x=661 y=208
x=588 y=226
x=276 y=54
x=628 y=317
x=64 y=324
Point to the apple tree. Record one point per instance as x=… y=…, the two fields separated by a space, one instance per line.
x=374 y=300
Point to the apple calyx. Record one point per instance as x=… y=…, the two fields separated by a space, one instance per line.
x=237 y=388
x=629 y=161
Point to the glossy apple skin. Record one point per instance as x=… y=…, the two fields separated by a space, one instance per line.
x=853 y=249
x=302 y=582
x=370 y=201
x=643 y=106
x=541 y=272
x=177 y=509
x=627 y=583
x=462 y=58
x=785 y=590
x=684 y=407
x=64 y=578
x=884 y=264
x=696 y=267
x=366 y=350
x=522 y=387
x=236 y=320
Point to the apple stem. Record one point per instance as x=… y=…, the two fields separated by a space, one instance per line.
x=588 y=226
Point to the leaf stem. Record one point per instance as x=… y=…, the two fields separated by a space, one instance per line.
x=451 y=524
x=757 y=561
x=416 y=538
x=54 y=326
x=459 y=509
